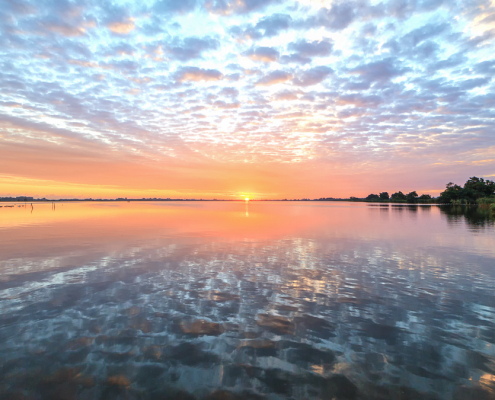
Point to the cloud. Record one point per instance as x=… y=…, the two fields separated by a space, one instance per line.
x=274 y=24
x=286 y=95
x=485 y=67
x=263 y=54
x=229 y=7
x=194 y=74
x=357 y=85
x=266 y=27
x=174 y=6
x=20 y=7
x=312 y=76
x=453 y=61
x=122 y=49
x=294 y=59
x=428 y=31
x=405 y=8
x=191 y=47
x=226 y=106
x=274 y=78
x=382 y=70
x=339 y=16
x=65 y=30
x=469 y=84
x=229 y=92
x=122 y=27
x=305 y=49
x=360 y=101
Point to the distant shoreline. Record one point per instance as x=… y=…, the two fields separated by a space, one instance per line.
x=17 y=201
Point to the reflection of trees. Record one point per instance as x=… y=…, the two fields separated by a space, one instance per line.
x=475 y=216
x=408 y=207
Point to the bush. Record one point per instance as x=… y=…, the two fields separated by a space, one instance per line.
x=486 y=200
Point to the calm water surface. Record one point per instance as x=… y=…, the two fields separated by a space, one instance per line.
x=184 y=300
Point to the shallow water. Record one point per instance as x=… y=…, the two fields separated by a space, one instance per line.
x=227 y=300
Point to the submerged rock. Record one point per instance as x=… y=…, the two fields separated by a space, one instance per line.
x=221 y=297
x=319 y=326
x=339 y=387
x=76 y=344
x=473 y=393
x=310 y=355
x=192 y=355
x=118 y=380
x=171 y=394
x=381 y=332
x=61 y=375
x=201 y=327
x=152 y=352
x=275 y=324
x=140 y=324
x=226 y=395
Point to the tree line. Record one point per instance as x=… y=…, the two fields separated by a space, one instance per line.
x=475 y=190
x=397 y=197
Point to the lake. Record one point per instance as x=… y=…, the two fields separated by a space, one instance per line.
x=235 y=300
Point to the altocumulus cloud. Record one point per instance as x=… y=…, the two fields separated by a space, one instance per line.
x=253 y=80
x=263 y=54
x=198 y=74
x=273 y=78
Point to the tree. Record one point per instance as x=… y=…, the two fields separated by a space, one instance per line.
x=411 y=197
x=452 y=192
x=398 y=196
x=384 y=196
x=474 y=189
x=424 y=197
x=372 y=197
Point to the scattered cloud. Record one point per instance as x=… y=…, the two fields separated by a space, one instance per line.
x=123 y=27
x=174 y=6
x=195 y=74
x=263 y=54
x=303 y=48
x=191 y=47
x=229 y=7
x=274 y=78
x=381 y=70
x=312 y=76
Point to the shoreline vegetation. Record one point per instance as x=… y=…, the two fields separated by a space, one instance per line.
x=476 y=191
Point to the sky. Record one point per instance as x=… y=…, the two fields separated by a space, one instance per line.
x=232 y=98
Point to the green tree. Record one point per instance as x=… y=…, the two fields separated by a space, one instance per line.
x=452 y=192
x=384 y=196
x=373 y=197
x=474 y=189
x=398 y=196
x=412 y=197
